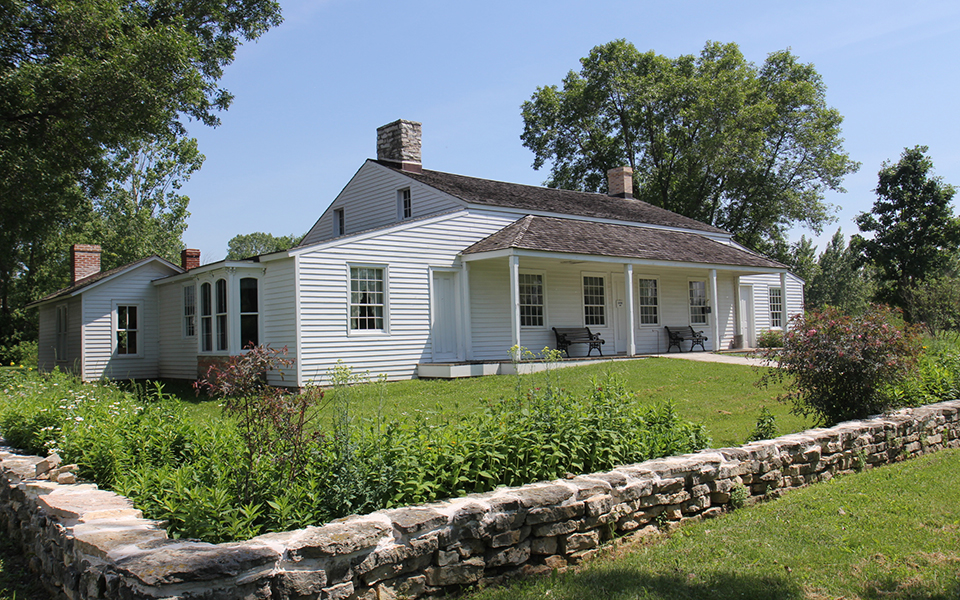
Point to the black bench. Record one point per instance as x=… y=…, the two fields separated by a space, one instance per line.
x=678 y=335
x=577 y=335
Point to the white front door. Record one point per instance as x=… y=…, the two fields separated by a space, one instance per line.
x=621 y=323
x=445 y=329
x=747 y=323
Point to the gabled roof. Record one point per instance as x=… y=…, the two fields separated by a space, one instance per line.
x=541 y=199
x=100 y=277
x=625 y=241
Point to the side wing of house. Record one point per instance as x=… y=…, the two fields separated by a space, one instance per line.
x=771 y=305
x=60 y=335
x=211 y=313
x=120 y=331
x=377 y=197
x=375 y=301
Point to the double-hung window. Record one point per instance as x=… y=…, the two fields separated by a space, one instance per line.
x=648 y=299
x=61 y=346
x=531 y=299
x=404 y=204
x=206 y=317
x=698 y=302
x=127 y=329
x=249 y=312
x=367 y=298
x=776 y=307
x=189 y=311
x=221 y=314
x=594 y=301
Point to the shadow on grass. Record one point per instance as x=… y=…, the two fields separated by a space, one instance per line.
x=623 y=583
x=632 y=584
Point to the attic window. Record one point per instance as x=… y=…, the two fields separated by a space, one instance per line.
x=339 y=224
x=404 y=204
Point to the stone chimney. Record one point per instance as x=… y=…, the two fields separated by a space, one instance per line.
x=189 y=259
x=399 y=143
x=620 y=182
x=84 y=261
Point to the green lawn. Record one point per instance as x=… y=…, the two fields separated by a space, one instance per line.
x=892 y=533
x=723 y=397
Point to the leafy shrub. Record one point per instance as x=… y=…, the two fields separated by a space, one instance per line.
x=771 y=338
x=840 y=367
x=766 y=427
x=22 y=354
x=196 y=475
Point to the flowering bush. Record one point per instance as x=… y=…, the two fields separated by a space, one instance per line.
x=771 y=338
x=841 y=367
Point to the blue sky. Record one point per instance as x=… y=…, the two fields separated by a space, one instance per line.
x=311 y=93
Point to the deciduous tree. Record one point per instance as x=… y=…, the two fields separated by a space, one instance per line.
x=840 y=280
x=252 y=244
x=915 y=235
x=714 y=137
x=83 y=79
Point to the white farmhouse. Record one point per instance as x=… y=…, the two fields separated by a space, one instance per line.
x=412 y=272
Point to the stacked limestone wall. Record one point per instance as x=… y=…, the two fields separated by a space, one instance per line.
x=89 y=543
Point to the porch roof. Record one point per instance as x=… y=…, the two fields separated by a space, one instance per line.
x=571 y=236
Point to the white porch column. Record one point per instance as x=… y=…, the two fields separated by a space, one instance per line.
x=714 y=310
x=515 y=300
x=467 y=332
x=631 y=326
x=738 y=313
x=783 y=299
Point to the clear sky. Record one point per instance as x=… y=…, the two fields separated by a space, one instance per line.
x=311 y=92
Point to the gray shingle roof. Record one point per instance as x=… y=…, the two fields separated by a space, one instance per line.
x=540 y=199
x=626 y=241
x=92 y=279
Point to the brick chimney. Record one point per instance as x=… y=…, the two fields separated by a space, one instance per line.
x=399 y=143
x=620 y=182
x=84 y=261
x=189 y=259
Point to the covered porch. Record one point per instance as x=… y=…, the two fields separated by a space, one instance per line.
x=624 y=283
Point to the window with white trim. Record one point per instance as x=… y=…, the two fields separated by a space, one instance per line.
x=249 y=312
x=206 y=317
x=531 y=299
x=404 y=204
x=648 y=299
x=189 y=311
x=61 y=342
x=594 y=301
x=220 y=287
x=127 y=329
x=367 y=298
x=776 y=307
x=698 y=302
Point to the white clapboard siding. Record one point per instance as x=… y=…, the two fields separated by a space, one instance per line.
x=369 y=200
x=132 y=288
x=178 y=352
x=407 y=252
x=47 y=340
x=793 y=298
x=278 y=305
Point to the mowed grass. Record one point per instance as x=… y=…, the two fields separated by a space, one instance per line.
x=725 y=398
x=891 y=532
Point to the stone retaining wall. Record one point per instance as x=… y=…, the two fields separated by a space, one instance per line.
x=89 y=543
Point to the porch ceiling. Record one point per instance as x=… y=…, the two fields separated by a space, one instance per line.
x=571 y=236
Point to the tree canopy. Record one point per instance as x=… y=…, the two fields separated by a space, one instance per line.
x=748 y=148
x=253 y=244
x=915 y=235
x=840 y=280
x=83 y=81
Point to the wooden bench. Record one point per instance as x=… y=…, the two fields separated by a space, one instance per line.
x=678 y=335
x=577 y=335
